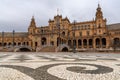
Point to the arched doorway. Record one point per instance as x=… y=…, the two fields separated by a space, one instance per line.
x=97 y=43
x=23 y=43
x=0 y=44
x=65 y=49
x=36 y=44
x=79 y=43
x=69 y=43
x=116 y=43
x=9 y=44
x=14 y=43
x=90 y=43
x=27 y=43
x=104 y=42
x=5 y=44
x=19 y=43
x=74 y=43
x=43 y=41
x=85 y=43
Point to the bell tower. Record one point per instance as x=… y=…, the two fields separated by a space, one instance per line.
x=99 y=14
x=32 y=26
x=100 y=22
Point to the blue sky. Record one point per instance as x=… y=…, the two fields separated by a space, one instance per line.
x=16 y=14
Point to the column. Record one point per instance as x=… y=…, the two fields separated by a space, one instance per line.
x=88 y=43
x=100 y=42
x=82 y=43
x=76 y=43
x=94 y=43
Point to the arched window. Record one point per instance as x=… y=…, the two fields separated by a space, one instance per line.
x=63 y=33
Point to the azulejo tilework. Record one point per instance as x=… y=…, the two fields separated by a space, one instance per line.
x=61 y=66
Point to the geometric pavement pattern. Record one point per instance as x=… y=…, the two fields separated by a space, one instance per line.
x=59 y=66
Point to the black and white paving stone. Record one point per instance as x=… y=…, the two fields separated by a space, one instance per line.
x=59 y=66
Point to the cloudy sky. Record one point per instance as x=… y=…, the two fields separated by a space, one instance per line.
x=16 y=14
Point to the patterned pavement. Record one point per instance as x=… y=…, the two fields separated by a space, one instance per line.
x=59 y=66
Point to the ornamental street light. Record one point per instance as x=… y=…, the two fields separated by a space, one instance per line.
x=3 y=39
x=74 y=43
x=13 y=37
x=58 y=26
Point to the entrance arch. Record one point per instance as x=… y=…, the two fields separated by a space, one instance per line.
x=0 y=44
x=90 y=43
x=69 y=43
x=9 y=43
x=116 y=43
x=103 y=42
x=74 y=43
x=65 y=49
x=19 y=43
x=5 y=44
x=79 y=43
x=43 y=41
x=85 y=43
x=98 y=43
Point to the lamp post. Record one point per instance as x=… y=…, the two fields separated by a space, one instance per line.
x=13 y=37
x=74 y=44
x=3 y=39
x=58 y=26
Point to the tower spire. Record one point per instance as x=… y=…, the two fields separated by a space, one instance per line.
x=32 y=23
x=57 y=11
x=98 y=5
x=33 y=17
x=99 y=13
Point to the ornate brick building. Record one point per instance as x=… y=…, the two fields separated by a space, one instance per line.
x=61 y=34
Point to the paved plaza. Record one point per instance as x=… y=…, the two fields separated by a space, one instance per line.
x=59 y=66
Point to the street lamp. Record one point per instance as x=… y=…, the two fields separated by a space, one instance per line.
x=3 y=39
x=58 y=26
x=74 y=43
x=13 y=37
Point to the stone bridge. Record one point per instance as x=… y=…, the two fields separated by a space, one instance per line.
x=23 y=49
x=63 y=48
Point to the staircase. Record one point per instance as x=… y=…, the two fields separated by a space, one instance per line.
x=47 y=49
